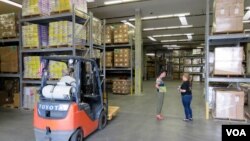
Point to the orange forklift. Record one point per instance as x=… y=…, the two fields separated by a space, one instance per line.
x=73 y=107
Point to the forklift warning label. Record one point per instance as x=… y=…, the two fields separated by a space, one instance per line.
x=235 y=132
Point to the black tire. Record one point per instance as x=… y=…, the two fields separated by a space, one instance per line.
x=102 y=120
x=77 y=136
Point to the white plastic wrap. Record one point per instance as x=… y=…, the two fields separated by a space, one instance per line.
x=57 y=92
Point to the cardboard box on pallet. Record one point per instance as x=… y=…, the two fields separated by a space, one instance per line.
x=122 y=57
x=229 y=104
x=228 y=16
x=229 y=64
x=9 y=59
x=109 y=59
x=121 y=86
x=121 y=33
x=8 y=25
x=31 y=96
x=109 y=35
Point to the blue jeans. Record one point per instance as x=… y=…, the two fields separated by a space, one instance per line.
x=186 y=101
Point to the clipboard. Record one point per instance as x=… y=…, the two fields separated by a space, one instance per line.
x=163 y=89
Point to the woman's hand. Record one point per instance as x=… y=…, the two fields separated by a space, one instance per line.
x=157 y=86
x=183 y=91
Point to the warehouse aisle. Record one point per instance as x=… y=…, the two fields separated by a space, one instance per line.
x=135 y=122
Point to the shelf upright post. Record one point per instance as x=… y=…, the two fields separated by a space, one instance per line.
x=73 y=29
x=207 y=56
x=91 y=34
x=20 y=62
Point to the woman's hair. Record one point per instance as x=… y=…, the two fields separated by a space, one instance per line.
x=162 y=71
x=187 y=75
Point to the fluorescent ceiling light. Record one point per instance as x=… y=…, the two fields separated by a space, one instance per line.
x=247 y=30
x=183 y=20
x=172 y=35
x=247 y=16
x=171 y=46
x=248 y=8
x=90 y=0
x=190 y=37
x=182 y=40
x=11 y=3
x=152 y=39
x=162 y=16
x=128 y=23
x=246 y=21
x=165 y=28
x=150 y=54
x=112 y=2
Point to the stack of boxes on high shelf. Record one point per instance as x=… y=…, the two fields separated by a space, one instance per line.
x=9 y=88
x=119 y=58
x=227 y=103
x=182 y=64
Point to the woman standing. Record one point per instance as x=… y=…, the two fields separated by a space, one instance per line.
x=186 y=94
x=161 y=90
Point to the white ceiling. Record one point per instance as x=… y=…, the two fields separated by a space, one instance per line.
x=116 y=13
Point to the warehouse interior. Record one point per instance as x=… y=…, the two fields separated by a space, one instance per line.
x=131 y=42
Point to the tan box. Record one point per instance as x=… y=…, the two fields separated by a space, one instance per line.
x=16 y=100
x=223 y=25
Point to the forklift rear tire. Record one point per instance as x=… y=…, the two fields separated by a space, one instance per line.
x=102 y=120
x=77 y=136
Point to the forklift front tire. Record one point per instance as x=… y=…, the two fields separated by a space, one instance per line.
x=77 y=136
x=102 y=120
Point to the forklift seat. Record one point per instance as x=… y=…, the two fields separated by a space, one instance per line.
x=86 y=108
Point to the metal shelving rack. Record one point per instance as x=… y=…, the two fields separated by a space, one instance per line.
x=129 y=70
x=74 y=16
x=201 y=73
x=211 y=42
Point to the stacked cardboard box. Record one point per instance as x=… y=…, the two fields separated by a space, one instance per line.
x=67 y=5
x=30 y=35
x=228 y=16
x=31 y=96
x=8 y=59
x=229 y=64
x=197 y=51
x=60 y=33
x=97 y=31
x=57 y=69
x=121 y=86
x=176 y=68
x=109 y=35
x=176 y=60
x=109 y=59
x=177 y=53
x=188 y=69
x=30 y=7
x=196 y=61
x=16 y=100
x=32 y=67
x=196 y=69
x=121 y=33
x=229 y=104
x=187 y=61
x=122 y=57
x=196 y=78
x=8 y=25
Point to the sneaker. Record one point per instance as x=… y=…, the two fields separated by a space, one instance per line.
x=159 y=117
x=190 y=119
x=186 y=120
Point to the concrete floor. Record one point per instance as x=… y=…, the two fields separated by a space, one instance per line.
x=136 y=120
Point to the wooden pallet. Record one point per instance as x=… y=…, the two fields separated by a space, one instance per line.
x=59 y=46
x=31 y=16
x=229 y=119
x=11 y=37
x=228 y=76
x=27 y=78
x=247 y=114
x=33 y=47
x=113 y=111
x=10 y=106
x=227 y=33
x=58 y=12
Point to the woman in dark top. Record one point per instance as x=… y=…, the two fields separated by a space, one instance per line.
x=186 y=94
